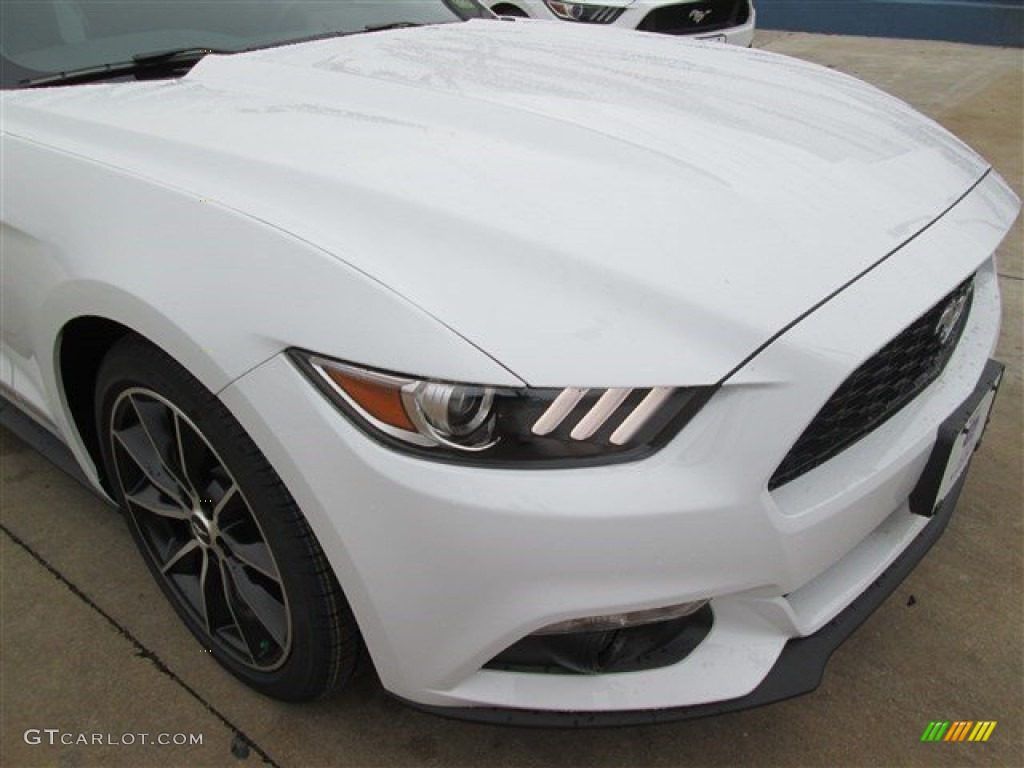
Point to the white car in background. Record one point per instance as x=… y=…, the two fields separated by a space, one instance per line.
x=727 y=21
x=582 y=376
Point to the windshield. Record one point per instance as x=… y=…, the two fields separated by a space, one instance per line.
x=47 y=37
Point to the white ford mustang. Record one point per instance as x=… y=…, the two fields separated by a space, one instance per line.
x=726 y=21
x=583 y=375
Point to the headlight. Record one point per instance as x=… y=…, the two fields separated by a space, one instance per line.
x=479 y=424
x=584 y=12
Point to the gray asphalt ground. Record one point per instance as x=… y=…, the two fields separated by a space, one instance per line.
x=90 y=646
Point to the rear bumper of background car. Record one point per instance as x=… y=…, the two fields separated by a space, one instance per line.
x=447 y=566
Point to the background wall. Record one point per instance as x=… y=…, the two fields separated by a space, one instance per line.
x=986 y=22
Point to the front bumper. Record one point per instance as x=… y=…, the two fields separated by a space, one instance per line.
x=633 y=15
x=798 y=670
x=447 y=566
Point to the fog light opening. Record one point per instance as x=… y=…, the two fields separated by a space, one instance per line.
x=622 y=620
x=627 y=642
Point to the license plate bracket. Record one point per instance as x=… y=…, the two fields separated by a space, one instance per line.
x=958 y=439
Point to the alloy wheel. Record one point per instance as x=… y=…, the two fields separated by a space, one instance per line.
x=199 y=530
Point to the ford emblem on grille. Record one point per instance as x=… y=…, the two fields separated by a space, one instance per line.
x=947 y=322
x=697 y=15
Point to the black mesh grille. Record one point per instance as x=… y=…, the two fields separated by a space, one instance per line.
x=880 y=387
x=696 y=17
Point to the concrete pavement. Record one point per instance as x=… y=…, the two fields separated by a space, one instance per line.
x=89 y=646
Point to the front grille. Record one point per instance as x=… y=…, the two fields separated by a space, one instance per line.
x=696 y=17
x=877 y=390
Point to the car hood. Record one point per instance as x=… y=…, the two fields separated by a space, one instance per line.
x=587 y=206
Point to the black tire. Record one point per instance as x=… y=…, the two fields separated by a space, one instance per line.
x=218 y=529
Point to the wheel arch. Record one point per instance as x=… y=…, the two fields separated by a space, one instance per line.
x=82 y=345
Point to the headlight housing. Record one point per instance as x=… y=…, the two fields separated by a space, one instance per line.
x=584 y=12
x=502 y=426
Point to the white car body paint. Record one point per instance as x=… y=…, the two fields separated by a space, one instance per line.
x=509 y=203
x=336 y=142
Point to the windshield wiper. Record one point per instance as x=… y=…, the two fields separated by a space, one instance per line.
x=176 y=56
x=392 y=25
x=334 y=34
x=141 y=63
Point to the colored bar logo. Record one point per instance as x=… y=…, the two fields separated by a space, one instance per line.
x=959 y=730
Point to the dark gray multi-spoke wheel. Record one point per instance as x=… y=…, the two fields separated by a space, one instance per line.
x=198 y=528
x=219 y=530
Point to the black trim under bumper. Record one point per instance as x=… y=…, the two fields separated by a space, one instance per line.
x=799 y=668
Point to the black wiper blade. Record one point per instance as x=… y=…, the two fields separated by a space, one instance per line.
x=173 y=58
x=334 y=34
x=392 y=25
x=176 y=56
x=83 y=75
x=303 y=39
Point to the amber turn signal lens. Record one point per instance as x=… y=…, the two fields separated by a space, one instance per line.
x=381 y=401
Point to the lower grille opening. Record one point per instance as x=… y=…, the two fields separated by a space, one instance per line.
x=631 y=649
